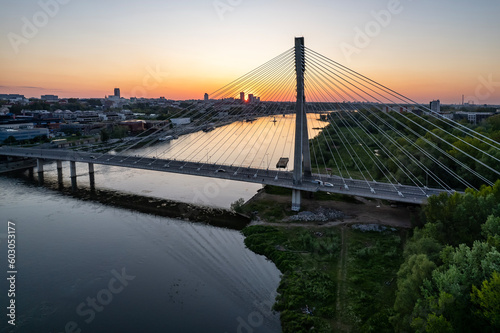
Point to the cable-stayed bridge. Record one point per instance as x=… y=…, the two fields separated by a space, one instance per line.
x=305 y=122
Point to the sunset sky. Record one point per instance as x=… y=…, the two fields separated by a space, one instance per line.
x=424 y=49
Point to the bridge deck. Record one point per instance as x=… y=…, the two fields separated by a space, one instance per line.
x=17 y=165
x=368 y=189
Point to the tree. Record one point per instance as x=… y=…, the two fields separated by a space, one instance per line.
x=438 y=324
x=104 y=135
x=411 y=275
x=237 y=206
x=119 y=132
x=448 y=291
x=491 y=231
x=494 y=122
x=488 y=299
x=422 y=242
x=10 y=140
x=94 y=102
x=16 y=109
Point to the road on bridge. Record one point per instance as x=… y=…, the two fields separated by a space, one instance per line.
x=314 y=183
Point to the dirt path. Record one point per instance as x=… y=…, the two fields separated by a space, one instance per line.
x=369 y=211
x=341 y=285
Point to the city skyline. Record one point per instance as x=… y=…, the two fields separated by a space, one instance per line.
x=71 y=48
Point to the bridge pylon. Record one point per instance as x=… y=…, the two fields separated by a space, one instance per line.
x=302 y=155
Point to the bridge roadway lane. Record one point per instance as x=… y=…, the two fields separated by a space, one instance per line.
x=367 y=189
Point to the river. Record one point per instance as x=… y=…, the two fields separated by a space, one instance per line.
x=86 y=267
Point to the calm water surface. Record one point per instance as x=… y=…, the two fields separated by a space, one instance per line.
x=85 y=266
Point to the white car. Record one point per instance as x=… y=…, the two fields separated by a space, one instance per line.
x=317 y=181
x=328 y=184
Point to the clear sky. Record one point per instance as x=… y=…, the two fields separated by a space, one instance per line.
x=424 y=49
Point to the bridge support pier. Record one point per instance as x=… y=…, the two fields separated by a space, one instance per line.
x=30 y=173
x=59 y=173
x=296 y=196
x=92 y=176
x=72 y=168
x=39 y=166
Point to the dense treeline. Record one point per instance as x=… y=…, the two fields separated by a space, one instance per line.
x=450 y=281
x=375 y=143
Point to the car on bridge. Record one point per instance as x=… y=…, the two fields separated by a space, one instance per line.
x=317 y=181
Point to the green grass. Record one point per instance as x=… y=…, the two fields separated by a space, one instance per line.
x=309 y=262
x=268 y=210
x=373 y=261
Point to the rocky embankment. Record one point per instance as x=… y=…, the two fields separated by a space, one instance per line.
x=319 y=215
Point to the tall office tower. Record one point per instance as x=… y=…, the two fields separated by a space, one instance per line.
x=436 y=106
x=117 y=92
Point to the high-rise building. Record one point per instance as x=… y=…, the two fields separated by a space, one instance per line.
x=250 y=98
x=117 y=92
x=205 y=97
x=436 y=106
x=242 y=97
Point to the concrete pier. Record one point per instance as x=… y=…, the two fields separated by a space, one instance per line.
x=72 y=168
x=296 y=196
x=59 y=173
x=92 y=176
x=39 y=166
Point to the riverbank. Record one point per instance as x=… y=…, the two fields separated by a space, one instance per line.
x=337 y=275
x=150 y=205
x=272 y=206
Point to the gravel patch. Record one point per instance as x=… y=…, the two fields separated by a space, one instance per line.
x=372 y=227
x=319 y=215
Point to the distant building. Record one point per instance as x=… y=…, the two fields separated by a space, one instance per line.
x=472 y=117
x=180 y=121
x=23 y=134
x=50 y=98
x=66 y=115
x=134 y=125
x=397 y=108
x=117 y=92
x=111 y=116
x=11 y=96
x=87 y=117
x=205 y=97
x=242 y=97
x=435 y=106
x=250 y=98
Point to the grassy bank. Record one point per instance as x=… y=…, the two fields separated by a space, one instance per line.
x=334 y=279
